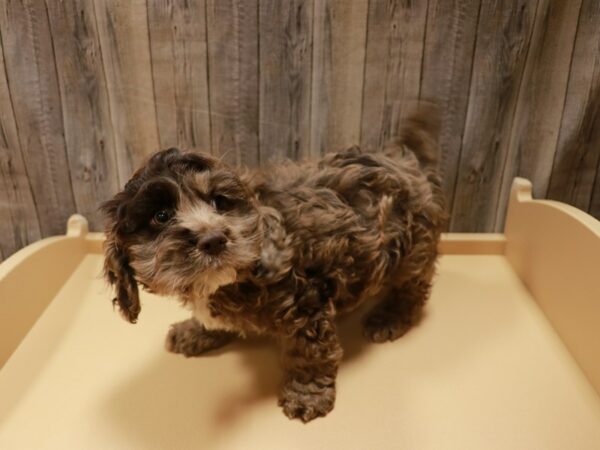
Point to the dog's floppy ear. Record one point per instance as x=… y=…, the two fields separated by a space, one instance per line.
x=117 y=270
x=119 y=274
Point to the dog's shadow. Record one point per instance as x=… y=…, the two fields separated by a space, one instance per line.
x=192 y=401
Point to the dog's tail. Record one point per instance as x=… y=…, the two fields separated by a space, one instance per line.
x=419 y=133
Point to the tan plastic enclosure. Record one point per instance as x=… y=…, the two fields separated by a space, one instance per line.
x=507 y=356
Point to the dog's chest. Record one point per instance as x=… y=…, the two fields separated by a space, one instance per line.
x=199 y=301
x=202 y=313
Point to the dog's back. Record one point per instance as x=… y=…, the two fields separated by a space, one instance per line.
x=364 y=221
x=406 y=168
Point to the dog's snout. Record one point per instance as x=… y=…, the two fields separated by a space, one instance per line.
x=213 y=243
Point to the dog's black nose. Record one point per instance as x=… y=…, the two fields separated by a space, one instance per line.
x=213 y=243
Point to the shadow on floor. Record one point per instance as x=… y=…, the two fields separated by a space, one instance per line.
x=192 y=401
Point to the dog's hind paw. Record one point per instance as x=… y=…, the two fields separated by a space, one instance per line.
x=306 y=401
x=379 y=327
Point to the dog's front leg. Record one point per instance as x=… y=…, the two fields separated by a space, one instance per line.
x=190 y=338
x=311 y=358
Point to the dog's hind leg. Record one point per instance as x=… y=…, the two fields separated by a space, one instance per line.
x=190 y=338
x=399 y=310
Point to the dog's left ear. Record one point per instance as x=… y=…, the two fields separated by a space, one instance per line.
x=119 y=274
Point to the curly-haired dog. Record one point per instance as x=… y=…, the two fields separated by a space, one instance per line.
x=283 y=251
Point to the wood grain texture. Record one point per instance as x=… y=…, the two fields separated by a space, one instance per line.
x=232 y=28
x=539 y=109
x=447 y=66
x=31 y=74
x=395 y=39
x=503 y=37
x=88 y=90
x=578 y=152
x=285 y=78
x=179 y=68
x=86 y=114
x=339 y=42
x=123 y=30
x=19 y=224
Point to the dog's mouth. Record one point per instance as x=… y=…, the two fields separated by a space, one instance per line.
x=209 y=280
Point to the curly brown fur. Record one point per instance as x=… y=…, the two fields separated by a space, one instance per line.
x=190 y=338
x=283 y=251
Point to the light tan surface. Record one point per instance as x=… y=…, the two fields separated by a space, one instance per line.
x=484 y=370
x=555 y=250
x=31 y=278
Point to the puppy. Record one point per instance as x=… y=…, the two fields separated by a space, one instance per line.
x=283 y=251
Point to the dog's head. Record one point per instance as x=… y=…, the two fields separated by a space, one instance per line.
x=183 y=221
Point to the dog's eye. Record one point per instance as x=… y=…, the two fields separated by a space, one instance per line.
x=162 y=216
x=222 y=203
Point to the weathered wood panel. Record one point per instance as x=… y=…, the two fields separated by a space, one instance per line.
x=31 y=74
x=19 y=224
x=594 y=207
x=179 y=68
x=85 y=108
x=395 y=39
x=90 y=89
x=447 y=66
x=339 y=42
x=123 y=30
x=503 y=37
x=232 y=27
x=285 y=78
x=578 y=152
x=537 y=118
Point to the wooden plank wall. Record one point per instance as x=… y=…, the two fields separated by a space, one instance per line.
x=89 y=89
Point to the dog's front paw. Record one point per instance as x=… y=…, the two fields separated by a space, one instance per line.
x=306 y=401
x=190 y=338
